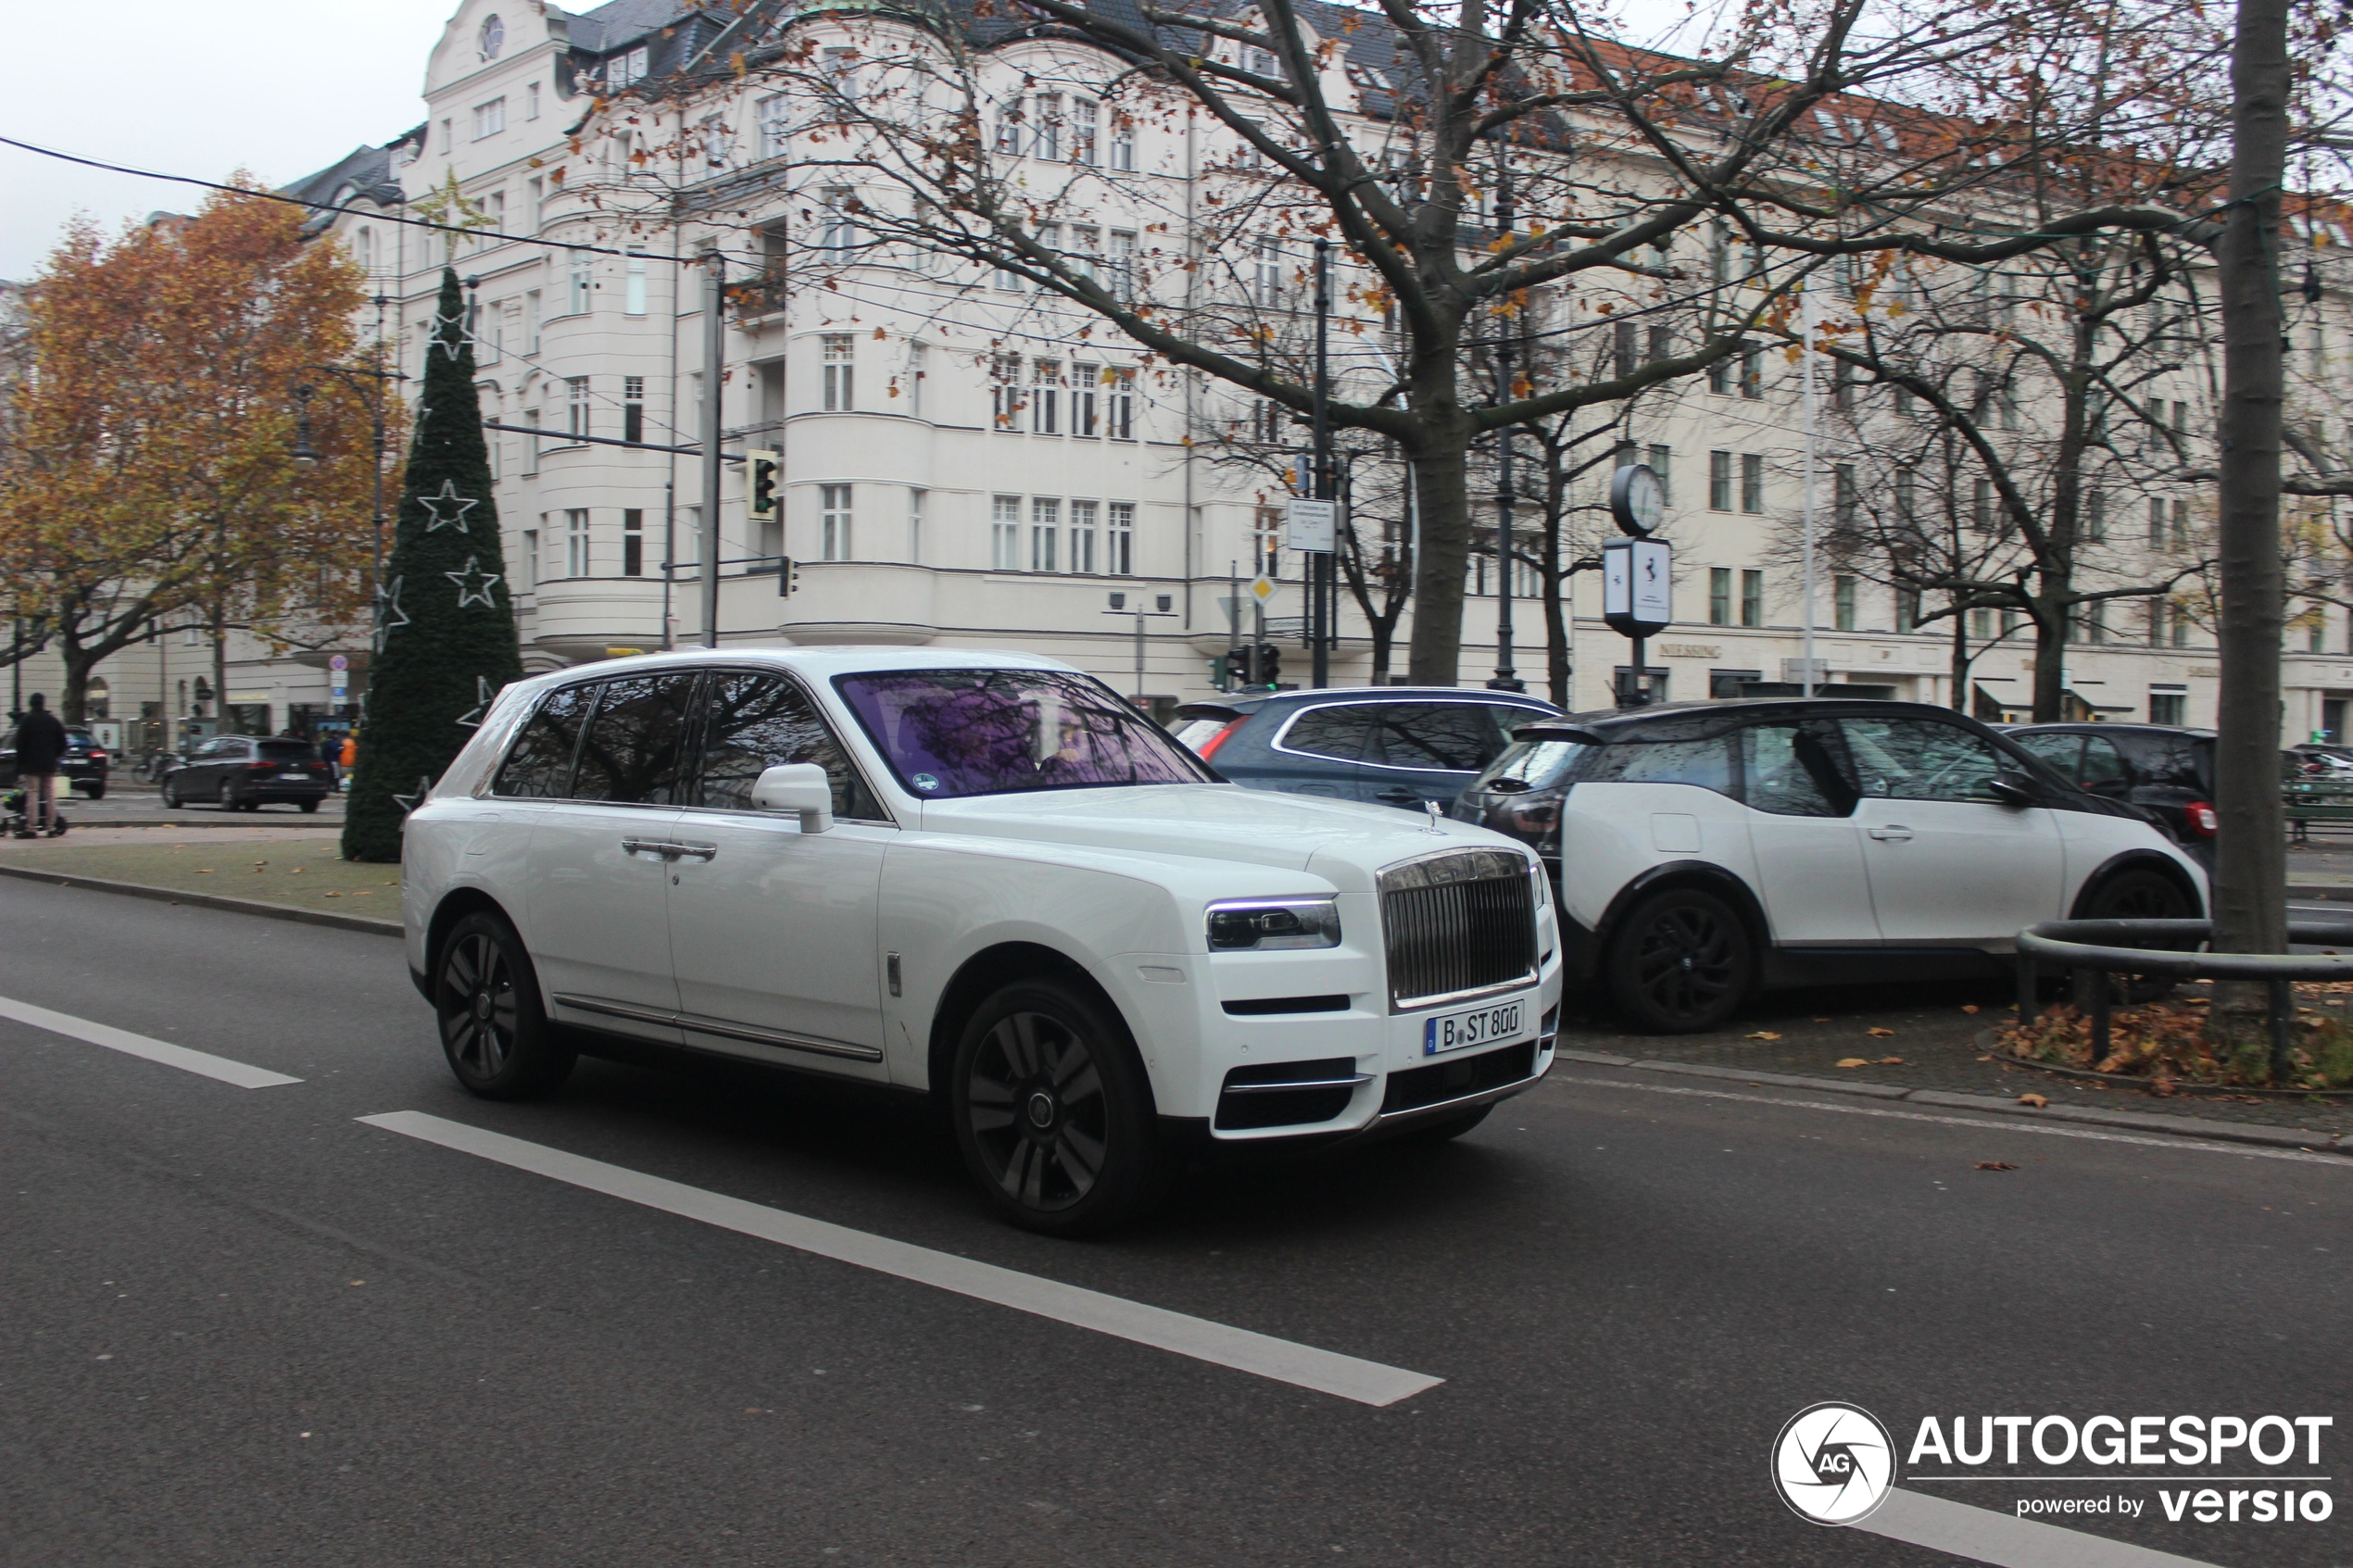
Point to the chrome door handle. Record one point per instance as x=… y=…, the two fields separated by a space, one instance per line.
x=643 y=846
x=692 y=851
x=1894 y=833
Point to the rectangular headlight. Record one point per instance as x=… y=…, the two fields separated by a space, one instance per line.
x=1238 y=925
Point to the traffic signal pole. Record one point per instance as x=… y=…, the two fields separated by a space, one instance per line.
x=714 y=340
x=1319 y=565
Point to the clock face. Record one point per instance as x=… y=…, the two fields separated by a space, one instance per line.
x=1636 y=499
x=494 y=37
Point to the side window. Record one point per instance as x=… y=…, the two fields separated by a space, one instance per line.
x=755 y=722
x=1341 y=730
x=2061 y=751
x=1458 y=736
x=2103 y=766
x=538 y=766
x=635 y=748
x=1788 y=769
x=1706 y=763
x=1920 y=759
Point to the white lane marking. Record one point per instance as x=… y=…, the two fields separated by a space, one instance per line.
x=2251 y=1150
x=1326 y=1371
x=123 y=1040
x=1983 y=1535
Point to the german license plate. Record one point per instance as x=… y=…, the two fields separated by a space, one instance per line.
x=1496 y=1025
x=294 y=778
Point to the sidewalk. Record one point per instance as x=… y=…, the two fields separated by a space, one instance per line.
x=280 y=865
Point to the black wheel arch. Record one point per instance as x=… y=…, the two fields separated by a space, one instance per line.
x=455 y=906
x=1703 y=875
x=2138 y=860
x=989 y=971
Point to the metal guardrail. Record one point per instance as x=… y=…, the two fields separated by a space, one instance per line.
x=2090 y=951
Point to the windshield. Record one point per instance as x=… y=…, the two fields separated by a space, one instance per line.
x=953 y=732
x=1539 y=764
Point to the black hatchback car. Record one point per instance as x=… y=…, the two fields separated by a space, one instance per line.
x=1385 y=745
x=83 y=766
x=245 y=774
x=2171 y=771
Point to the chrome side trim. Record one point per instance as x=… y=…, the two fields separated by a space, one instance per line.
x=1302 y=1083
x=1483 y=1096
x=696 y=1024
x=1520 y=982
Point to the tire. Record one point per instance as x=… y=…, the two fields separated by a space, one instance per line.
x=1681 y=961
x=96 y=792
x=171 y=801
x=308 y=807
x=494 y=1030
x=1052 y=1112
x=2139 y=893
x=1444 y=1130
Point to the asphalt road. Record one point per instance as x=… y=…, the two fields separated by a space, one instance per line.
x=239 y=1326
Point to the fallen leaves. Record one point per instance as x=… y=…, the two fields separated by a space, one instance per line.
x=1854 y=1061
x=1821 y=1021
x=2038 y=1101
x=1892 y=1061
x=1969 y=1007
x=1995 y=1165
x=1764 y=1035
x=1878 y=1034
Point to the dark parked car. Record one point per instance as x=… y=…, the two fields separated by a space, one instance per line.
x=245 y=774
x=1386 y=745
x=83 y=766
x=2168 y=770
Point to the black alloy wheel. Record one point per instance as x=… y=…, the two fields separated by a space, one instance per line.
x=1681 y=962
x=1052 y=1112
x=2141 y=893
x=494 y=1030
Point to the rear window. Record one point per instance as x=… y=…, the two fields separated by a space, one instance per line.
x=1706 y=763
x=288 y=751
x=1339 y=731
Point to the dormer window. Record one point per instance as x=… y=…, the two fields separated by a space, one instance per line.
x=492 y=38
x=624 y=69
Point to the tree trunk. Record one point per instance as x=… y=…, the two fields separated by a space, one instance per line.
x=1960 y=661
x=73 y=698
x=1442 y=490
x=2250 y=871
x=2050 y=660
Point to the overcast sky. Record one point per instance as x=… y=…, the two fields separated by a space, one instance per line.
x=202 y=87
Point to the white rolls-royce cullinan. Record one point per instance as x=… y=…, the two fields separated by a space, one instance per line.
x=980 y=876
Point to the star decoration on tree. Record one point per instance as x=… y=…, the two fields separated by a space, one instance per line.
x=471 y=717
x=454 y=334
x=447 y=204
x=409 y=802
x=450 y=497
x=388 y=612
x=474 y=585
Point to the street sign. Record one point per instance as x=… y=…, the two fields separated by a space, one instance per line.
x=1637 y=586
x=1262 y=588
x=338 y=664
x=1311 y=525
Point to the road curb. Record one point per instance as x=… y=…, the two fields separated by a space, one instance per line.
x=2181 y=1127
x=207 y=900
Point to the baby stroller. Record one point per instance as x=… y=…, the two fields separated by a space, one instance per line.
x=12 y=818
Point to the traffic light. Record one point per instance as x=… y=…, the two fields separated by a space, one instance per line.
x=787 y=577
x=761 y=472
x=1221 y=673
x=1270 y=665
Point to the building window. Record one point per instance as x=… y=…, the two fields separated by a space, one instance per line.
x=576 y=543
x=833 y=522
x=1662 y=463
x=1752 y=599
x=1719 y=375
x=1084 y=122
x=2180 y=525
x=1753 y=373
x=632 y=542
x=1122 y=262
x=531 y=102
x=1719 y=595
x=837 y=369
x=490 y=119
x=1267 y=542
x=2168 y=707
x=576 y=407
x=584 y=283
x=1752 y=482
x=531 y=556
x=1045 y=533
x=1843 y=495
x=531 y=321
x=2094 y=516
x=1123 y=144
x=1045 y=396
x=1009 y=127
x=632 y=408
x=1907 y=510
x=531 y=442
x=1266 y=274
x=624 y=69
x=1085 y=391
x=1004 y=533
x=774 y=118
x=714 y=141
x=836 y=227
x=1004 y=391
x=1121 y=415
x=2157 y=524
x=1981 y=505
x=632 y=296
x=2316 y=629
x=1048 y=143
x=1842 y=603
x=1907 y=609
x=1719 y=482
x=1082 y=537
x=1119 y=558
x=916 y=523
x=918 y=357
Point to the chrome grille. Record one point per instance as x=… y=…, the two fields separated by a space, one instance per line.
x=1456 y=925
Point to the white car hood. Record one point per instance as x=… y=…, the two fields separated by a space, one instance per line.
x=1223 y=822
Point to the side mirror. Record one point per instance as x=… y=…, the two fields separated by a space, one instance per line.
x=796 y=786
x=2011 y=790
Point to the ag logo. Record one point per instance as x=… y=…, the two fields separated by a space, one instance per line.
x=1833 y=1462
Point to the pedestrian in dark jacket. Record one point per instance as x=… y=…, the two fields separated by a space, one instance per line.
x=41 y=745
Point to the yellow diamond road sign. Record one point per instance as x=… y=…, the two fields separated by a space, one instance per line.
x=1261 y=589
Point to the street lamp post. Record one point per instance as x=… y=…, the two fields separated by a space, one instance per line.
x=1505 y=679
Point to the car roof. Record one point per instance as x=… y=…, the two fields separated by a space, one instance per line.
x=818 y=664
x=2082 y=727
x=1613 y=723
x=1260 y=701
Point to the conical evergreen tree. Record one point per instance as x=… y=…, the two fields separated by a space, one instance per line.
x=446 y=635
